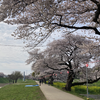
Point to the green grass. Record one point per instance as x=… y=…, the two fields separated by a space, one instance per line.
x=76 y=80
x=95 y=84
x=18 y=91
x=82 y=89
x=4 y=80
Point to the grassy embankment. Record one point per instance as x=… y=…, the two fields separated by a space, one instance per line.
x=18 y=91
x=81 y=89
x=4 y=80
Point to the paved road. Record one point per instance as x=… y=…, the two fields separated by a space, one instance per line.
x=52 y=93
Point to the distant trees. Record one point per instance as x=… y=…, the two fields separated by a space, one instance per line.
x=33 y=74
x=14 y=76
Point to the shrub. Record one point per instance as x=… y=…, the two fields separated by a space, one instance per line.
x=83 y=89
x=59 y=85
x=80 y=89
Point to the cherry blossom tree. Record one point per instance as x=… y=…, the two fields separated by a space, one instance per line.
x=65 y=54
x=69 y=54
x=37 y=19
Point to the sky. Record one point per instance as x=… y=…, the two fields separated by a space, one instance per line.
x=12 y=52
x=13 y=57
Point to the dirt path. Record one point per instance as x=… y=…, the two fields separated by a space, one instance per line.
x=52 y=93
x=3 y=84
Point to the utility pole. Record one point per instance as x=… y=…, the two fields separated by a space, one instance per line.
x=24 y=77
x=87 y=79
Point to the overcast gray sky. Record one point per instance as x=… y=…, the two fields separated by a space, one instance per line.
x=12 y=53
x=12 y=58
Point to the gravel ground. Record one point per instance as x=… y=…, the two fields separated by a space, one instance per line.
x=96 y=97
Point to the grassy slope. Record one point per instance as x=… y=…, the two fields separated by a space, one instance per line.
x=18 y=91
x=4 y=80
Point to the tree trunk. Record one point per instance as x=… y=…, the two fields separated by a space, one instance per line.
x=69 y=81
x=15 y=80
x=51 y=80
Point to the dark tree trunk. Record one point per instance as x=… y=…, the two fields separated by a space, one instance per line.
x=71 y=78
x=51 y=80
x=13 y=81
x=69 y=81
x=16 y=81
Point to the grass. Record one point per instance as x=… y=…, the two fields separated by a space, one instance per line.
x=95 y=84
x=18 y=91
x=4 y=80
x=92 y=88
x=82 y=89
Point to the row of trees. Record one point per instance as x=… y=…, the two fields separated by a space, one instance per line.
x=37 y=19
x=67 y=54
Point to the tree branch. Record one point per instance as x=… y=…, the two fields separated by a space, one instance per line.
x=81 y=83
x=97 y=11
x=97 y=14
x=55 y=68
x=60 y=17
x=94 y=1
x=83 y=27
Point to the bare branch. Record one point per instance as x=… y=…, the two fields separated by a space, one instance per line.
x=81 y=83
x=95 y=1
x=83 y=27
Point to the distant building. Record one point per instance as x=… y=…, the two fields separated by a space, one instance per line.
x=2 y=74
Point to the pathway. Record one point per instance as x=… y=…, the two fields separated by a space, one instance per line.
x=52 y=93
x=3 y=84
